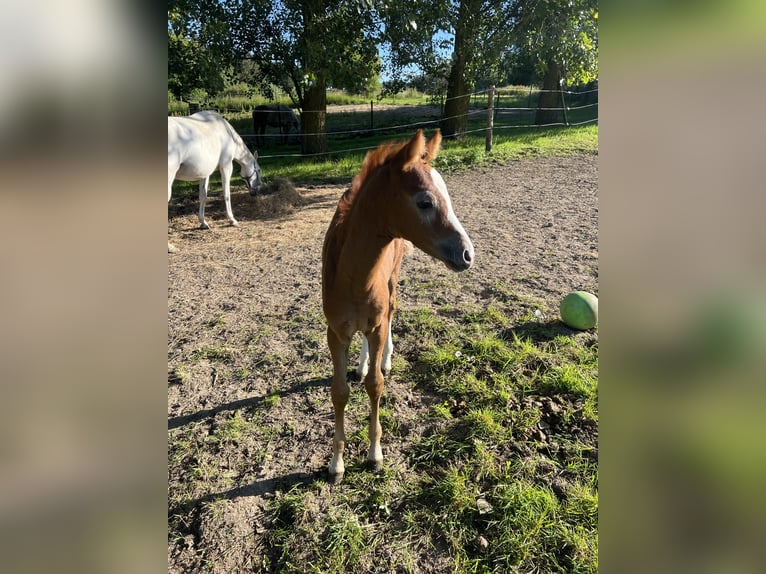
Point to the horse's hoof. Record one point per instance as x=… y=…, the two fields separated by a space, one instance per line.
x=374 y=465
x=335 y=479
x=234 y=224
x=172 y=248
x=204 y=226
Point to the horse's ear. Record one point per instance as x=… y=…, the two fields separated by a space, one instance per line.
x=413 y=151
x=433 y=146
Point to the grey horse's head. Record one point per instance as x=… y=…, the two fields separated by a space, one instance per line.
x=251 y=173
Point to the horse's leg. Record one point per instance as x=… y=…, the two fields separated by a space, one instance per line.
x=364 y=359
x=388 y=351
x=226 y=172
x=339 y=392
x=373 y=384
x=202 y=199
x=171 y=248
x=364 y=355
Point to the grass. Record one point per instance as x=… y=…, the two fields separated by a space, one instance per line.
x=455 y=157
x=346 y=151
x=214 y=353
x=501 y=478
x=244 y=100
x=492 y=382
x=495 y=471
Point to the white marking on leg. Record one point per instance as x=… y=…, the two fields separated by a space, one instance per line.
x=376 y=453
x=336 y=464
x=226 y=177
x=202 y=198
x=388 y=351
x=338 y=443
x=364 y=359
x=375 y=431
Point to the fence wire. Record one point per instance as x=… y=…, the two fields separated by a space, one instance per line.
x=425 y=123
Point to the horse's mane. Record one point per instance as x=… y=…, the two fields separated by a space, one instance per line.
x=235 y=135
x=372 y=161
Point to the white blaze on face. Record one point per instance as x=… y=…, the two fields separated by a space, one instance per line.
x=442 y=189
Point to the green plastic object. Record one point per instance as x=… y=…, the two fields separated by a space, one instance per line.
x=579 y=310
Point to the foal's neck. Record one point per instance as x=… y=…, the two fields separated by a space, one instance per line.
x=370 y=212
x=368 y=234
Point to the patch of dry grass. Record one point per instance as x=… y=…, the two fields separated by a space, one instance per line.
x=279 y=197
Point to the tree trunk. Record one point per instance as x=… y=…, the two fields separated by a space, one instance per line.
x=314 y=119
x=550 y=97
x=455 y=121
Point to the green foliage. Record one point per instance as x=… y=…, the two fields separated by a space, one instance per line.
x=311 y=44
x=296 y=49
x=202 y=49
x=191 y=66
x=565 y=34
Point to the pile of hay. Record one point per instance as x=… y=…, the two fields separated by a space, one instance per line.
x=278 y=197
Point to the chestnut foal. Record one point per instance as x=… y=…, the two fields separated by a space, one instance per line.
x=396 y=198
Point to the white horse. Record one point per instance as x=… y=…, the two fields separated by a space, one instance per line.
x=199 y=143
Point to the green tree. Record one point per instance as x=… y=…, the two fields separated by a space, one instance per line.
x=558 y=36
x=193 y=47
x=561 y=38
x=419 y=34
x=302 y=46
x=203 y=42
x=312 y=45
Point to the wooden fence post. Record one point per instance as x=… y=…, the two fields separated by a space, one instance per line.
x=563 y=104
x=371 y=117
x=490 y=118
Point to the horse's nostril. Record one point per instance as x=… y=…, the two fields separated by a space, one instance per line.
x=467 y=256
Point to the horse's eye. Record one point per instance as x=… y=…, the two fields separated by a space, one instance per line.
x=424 y=203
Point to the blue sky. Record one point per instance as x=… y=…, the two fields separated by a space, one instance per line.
x=440 y=36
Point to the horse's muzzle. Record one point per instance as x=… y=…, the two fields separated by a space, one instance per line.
x=458 y=254
x=254 y=184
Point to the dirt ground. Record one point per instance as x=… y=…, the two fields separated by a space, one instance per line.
x=253 y=292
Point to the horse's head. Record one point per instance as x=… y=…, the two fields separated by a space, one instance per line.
x=251 y=173
x=424 y=212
